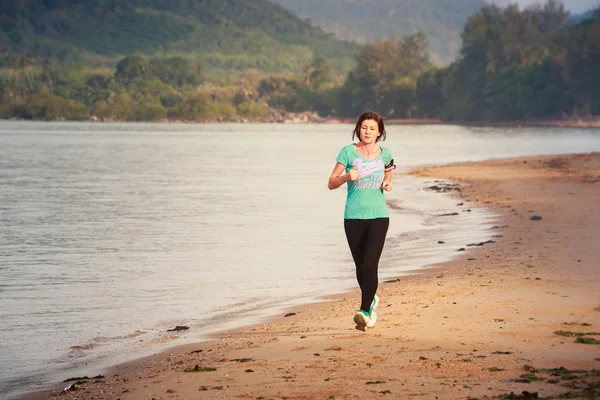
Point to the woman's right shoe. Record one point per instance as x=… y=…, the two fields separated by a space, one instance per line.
x=372 y=314
x=361 y=319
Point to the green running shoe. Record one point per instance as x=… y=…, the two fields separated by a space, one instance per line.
x=361 y=319
x=372 y=313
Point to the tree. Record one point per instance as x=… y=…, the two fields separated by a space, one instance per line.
x=47 y=74
x=195 y=108
x=46 y=106
x=279 y=92
x=430 y=99
x=385 y=75
x=129 y=68
x=176 y=71
x=399 y=98
x=120 y=106
x=145 y=90
x=99 y=87
x=487 y=80
x=252 y=109
x=183 y=71
x=153 y=111
x=319 y=74
x=25 y=64
x=583 y=64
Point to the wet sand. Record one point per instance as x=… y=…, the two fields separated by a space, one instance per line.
x=482 y=326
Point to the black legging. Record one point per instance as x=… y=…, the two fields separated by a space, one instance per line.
x=366 y=238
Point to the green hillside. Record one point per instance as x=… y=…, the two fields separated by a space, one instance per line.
x=364 y=21
x=220 y=34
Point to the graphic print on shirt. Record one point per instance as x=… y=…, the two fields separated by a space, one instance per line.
x=370 y=174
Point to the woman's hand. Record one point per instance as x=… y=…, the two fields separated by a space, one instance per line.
x=387 y=186
x=338 y=178
x=353 y=174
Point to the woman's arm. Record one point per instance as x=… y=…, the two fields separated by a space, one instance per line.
x=387 y=175
x=338 y=178
x=387 y=181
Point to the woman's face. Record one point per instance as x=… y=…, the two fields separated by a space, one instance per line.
x=369 y=131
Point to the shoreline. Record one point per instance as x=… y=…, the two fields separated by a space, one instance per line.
x=457 y=329
x=478 y=219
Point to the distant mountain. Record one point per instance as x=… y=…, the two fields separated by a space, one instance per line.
x=584 y=16
x=503 y=3
x=223 y=35
x=367 y=20
x=573 y=6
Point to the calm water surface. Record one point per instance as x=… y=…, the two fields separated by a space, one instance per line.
x=110 y=234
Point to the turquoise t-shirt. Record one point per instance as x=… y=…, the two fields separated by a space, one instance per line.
x=365 y=198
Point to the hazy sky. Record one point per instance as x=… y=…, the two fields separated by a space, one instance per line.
x=575 y=6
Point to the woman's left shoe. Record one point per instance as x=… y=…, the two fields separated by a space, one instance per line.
x=372 y=319
x=374 y=303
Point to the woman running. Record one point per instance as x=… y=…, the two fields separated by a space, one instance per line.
x=366 y=167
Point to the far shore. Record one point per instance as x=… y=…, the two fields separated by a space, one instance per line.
x=516 y=317
x=305 y=118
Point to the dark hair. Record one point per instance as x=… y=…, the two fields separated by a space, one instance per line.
x=375 y=117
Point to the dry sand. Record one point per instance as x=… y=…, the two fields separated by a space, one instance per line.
x=482 y=326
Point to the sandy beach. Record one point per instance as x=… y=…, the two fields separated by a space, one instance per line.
x=518 y=315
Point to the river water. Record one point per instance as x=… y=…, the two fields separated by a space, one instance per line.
x=111 y=233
